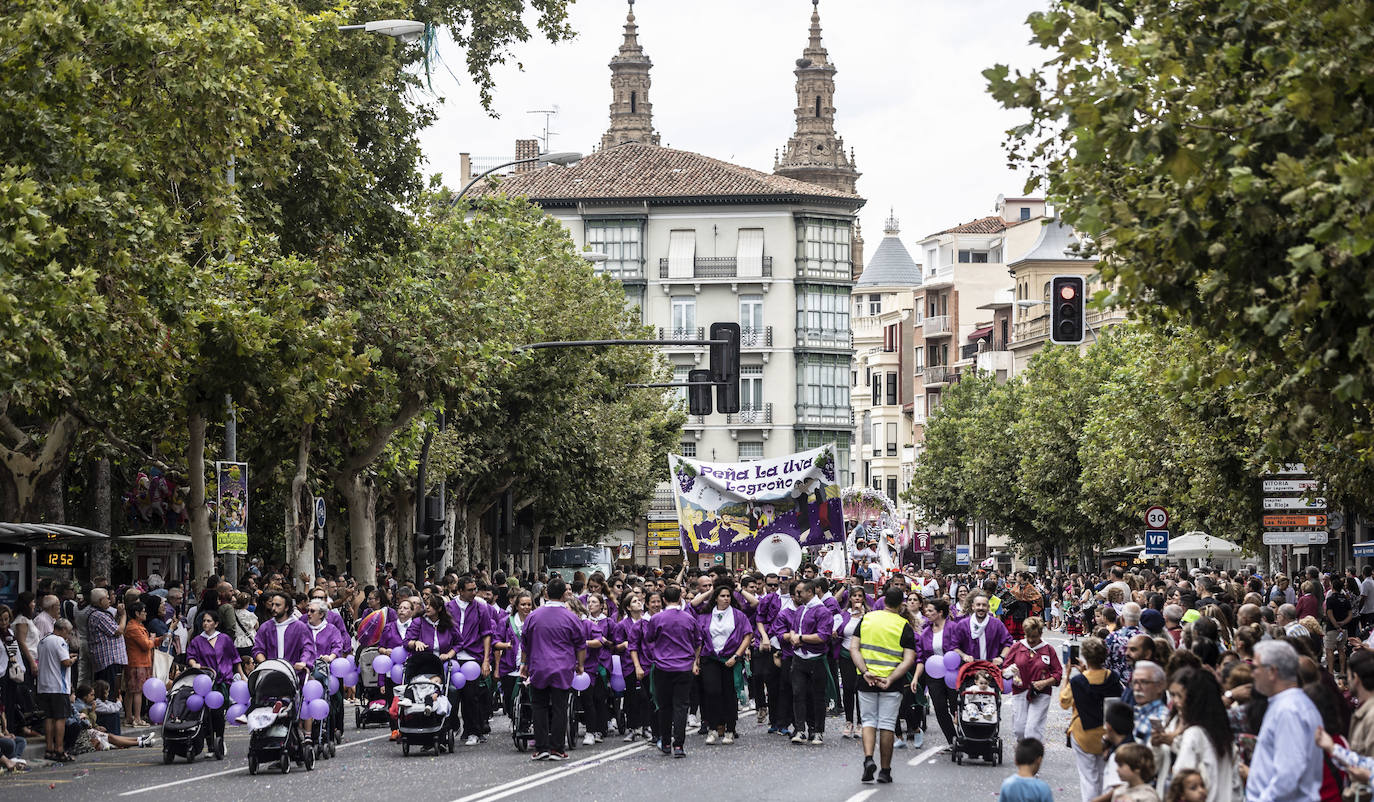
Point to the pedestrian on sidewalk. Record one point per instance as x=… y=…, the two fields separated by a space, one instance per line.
x=883 y=650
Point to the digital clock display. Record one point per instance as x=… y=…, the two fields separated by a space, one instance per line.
x=57 y=559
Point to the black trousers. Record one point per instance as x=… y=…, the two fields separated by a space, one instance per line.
x=595 y=703
x=942 y=699
x=760 y=669
x=849 y=687
x=473 y=707
x=780 y=694
x=808 y=694
x=719 y=707
x=550 y=718
x=508 y=682
x=636 y=701
x=673 y=692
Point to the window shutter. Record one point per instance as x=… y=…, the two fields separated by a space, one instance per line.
x=749 y=252
x=682 y=252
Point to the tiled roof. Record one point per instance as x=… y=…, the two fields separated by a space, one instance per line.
x=991 y=224
x=890 y=266
x=635 y=170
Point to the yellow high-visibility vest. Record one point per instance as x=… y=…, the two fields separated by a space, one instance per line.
x=880 y=641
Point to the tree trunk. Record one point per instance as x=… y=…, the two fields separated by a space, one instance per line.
x=30 y=486
x=202 y=539
x=300 y=513
x=360 y=494
x=536 y=532
x=336 y=543
x=405 y=532
x=100 y=517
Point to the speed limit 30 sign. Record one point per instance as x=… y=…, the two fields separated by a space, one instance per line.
x=1156 y=517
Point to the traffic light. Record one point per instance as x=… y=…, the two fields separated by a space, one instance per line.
x=1066 y=310
x=699 y=394
x=429 y=541
x=725 y=367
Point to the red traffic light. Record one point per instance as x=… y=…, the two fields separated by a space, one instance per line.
x=1067 y=292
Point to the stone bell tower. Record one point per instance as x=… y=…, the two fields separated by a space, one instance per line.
x=632 y=117
x=815 y=153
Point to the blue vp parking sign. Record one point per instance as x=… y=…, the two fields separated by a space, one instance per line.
x=1156 y=542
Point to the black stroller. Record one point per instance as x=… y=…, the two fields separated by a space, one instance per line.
x=185 y=732
x=374 y=703
x=425 y=710
x=274 y=708
x=327 y=734
x=978 y=714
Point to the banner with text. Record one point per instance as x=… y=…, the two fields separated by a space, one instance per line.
x=724 y=507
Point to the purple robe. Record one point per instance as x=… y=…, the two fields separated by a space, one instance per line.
x=392 y=638
x=510 y=658
x=815 y=619
x=598 y=630
x=423 y=631
x=471 y=627
x=925 y=641
x=328 y=641
x=784 y=622
x=220 y=658
x=674 y=639
x=995 y=638
x=300 y=645
x=731 y=643
x=551 y=641
x=632 y=635
x=769 y=604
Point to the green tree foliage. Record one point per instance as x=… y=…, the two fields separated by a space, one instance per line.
x=1221 y=154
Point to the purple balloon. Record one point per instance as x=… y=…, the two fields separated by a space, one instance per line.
x=339 y=667
x=398 y=655
x=472 y=670
x=952 y=681
x=319 y=709
x=234 y=712
x=618 y=683
x=616 y=670
x=381 y=664
x=397 y=674
x=312 y=690
x=154 y=690
x=935 y=667
x=195 y=702
x=238 y=692
x=157 y=712
x=457 y=680
x=581 y=682
x=214 y=700
x=351 y=680
x=333 y=685
x=202 y=684
x=952 y=661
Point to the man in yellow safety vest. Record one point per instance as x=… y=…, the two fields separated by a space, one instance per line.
x=883 y=650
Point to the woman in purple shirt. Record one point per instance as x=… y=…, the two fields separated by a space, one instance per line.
x=935 y=639
x=434 y=631
x=214 y=651
x=596 y=700
x=725 y=637
x=507 y=642
x=636 y=695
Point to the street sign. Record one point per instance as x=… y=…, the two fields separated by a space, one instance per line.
x=1295 y=503
x=1364 y=549
x=1279 y=521
x=664 y=552
x=1289 y=469
x=1295 y=538
x=1156 y=542
x=1156 y=517
x=319 y=514
x=1290 y=485
x=963 y=555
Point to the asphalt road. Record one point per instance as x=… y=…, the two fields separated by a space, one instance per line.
x=368 y=766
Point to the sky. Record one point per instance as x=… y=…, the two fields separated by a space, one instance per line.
x=910 y=98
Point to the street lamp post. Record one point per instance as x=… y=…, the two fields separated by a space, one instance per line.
x=402 y=30
x=567 y=159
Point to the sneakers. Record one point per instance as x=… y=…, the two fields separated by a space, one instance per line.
x=678 y=752
x=761 y=714
x=817 y=740
x=471 y=741
x=539 y=756
x=481 y=739
x=711 y=738
x=588 y=739
x=899 y=743
x=598 y=737
x=665 y=748
x=693 y=721
x=870 y=769
x=630 y=737
x=884 y=775
x=556 y=755
x=396 y=736
x=799 y=738
x=147 y=739
x=918 y=739
x=728 y=738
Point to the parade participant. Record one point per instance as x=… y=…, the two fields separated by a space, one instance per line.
x=809 y=637
x=1037 y=672
x=635 y=665
x=508 y=665
x=434 y=631
x=981 y=636
x=329 y=644
x=882 y=649
x=473 y=627
x=763 y=673
x=849 y=676
x=725 y=637
x=780 y=693
x=672 y=637
x=935 y=639
x=214 y=651
x=595 y=701
x=393 y=634
x=283 y=637
x=555 y=649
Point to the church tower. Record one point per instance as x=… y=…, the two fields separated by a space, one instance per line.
x=815 y=153
x=632 y=117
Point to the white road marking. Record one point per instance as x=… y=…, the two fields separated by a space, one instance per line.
x=921 y=758
x=862 y=795
x=241 y=769
x=549 y=775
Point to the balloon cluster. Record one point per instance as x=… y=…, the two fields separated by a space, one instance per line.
x=314 y=705
x=946 y=668
x=343 y=671
x=617 y=675
x=238 y=694
x=203 y=695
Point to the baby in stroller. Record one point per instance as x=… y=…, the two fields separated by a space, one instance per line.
x=977 y=726
x=979 y=702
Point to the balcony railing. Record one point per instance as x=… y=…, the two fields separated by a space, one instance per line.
x=689 y=333
x=761 y=414
x=715 y=267
x=969 y=351
x=816 y=414
x=695 y=420
x=825 y=338
x=756 y=337
x=937 y=374
x=936 y=326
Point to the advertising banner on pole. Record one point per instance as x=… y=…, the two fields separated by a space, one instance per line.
x=231 y=507
x=725 y=507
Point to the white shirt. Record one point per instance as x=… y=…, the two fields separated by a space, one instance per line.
x=281 y=637
x=53 y=677
x=937 y=642
x=1367 y=590
x=849 y=631
x=722 y=627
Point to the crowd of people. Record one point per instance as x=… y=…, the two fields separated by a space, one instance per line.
x=1200 y=685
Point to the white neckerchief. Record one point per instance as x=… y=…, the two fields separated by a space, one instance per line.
x=462 y=611
x=434 y=623
x=552 y=603
x=401 y=627
x=211 y=638
x=815 y=602
x=787 y=603
x=517 y=626
x=318 y=629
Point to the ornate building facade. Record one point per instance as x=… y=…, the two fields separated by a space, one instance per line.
x=632 y=115
x=815 y=153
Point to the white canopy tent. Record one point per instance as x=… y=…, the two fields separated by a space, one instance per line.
x=1202 y=546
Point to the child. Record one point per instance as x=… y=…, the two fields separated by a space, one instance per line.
x=980 y=702
x=1024 y=786
x=92 y=738
x=106 y=710
x=1187 y=786
x=1135 y=765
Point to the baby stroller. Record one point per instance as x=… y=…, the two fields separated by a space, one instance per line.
x=274 y=707
x=978 y=714
x=373 y=700
x=185 y=732
x=425 y=709
x=328 y=734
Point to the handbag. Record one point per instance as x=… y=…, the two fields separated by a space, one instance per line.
x=162 y=664
x=15 y=671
